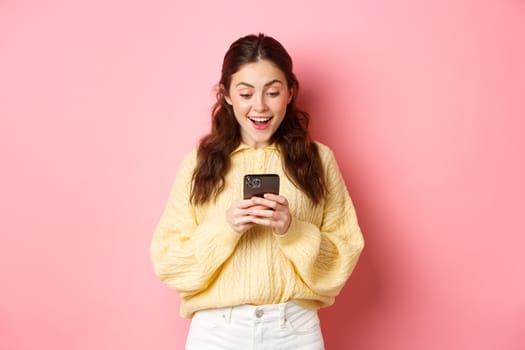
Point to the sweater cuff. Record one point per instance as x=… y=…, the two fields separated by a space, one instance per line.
x=299 y=231
x=217 y=232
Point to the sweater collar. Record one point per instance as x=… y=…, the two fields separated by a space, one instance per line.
x=244 y=147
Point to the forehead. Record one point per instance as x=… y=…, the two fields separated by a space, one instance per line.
x=258 y=73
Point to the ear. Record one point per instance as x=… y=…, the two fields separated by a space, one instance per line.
x=291 y=95
x=225 y=94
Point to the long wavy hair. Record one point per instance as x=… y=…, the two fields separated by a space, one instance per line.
x=301 y=160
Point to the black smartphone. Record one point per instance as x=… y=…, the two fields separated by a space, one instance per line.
x=259 y=184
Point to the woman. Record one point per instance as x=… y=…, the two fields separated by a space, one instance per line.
x=252 y=273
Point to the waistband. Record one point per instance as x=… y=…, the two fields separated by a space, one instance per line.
x=256 y=313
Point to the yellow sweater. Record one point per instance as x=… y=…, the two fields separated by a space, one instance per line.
x=195 y=251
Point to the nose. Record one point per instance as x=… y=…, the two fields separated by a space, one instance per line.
x=259 y=103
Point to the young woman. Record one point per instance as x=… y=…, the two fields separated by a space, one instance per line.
x=252 y=273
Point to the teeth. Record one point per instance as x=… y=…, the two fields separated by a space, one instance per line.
x=259 y=119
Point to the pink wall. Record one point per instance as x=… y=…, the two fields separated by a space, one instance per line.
x=422 y=102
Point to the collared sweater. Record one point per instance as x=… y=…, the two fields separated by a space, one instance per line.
x=195 y=251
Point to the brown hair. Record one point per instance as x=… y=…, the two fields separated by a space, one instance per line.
x=301 y=160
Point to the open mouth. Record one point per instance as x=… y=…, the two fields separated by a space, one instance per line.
x=260 y=120
x=260 y=123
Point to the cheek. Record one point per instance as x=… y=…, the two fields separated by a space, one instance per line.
x=240 y=106
x=280 y=107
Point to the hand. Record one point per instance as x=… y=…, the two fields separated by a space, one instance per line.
x=272 y=210
x=239 y=215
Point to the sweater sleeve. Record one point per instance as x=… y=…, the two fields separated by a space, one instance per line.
x=325 y=256
x=185 y=253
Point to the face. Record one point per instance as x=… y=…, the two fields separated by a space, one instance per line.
x=259 y=95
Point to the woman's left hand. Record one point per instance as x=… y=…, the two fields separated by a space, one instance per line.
x=276 y=216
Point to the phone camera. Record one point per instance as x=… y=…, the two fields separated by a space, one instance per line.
x=253 y=182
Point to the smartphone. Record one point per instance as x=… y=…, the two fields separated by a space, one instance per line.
x=259 y=184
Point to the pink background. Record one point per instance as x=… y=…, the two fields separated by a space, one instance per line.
x=421 y=101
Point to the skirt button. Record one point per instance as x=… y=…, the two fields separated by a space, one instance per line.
x=259 y=313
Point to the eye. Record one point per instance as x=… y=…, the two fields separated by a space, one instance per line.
x=274 y=93
x=245 y=96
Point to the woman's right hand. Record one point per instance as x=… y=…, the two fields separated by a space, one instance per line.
x=238 y=215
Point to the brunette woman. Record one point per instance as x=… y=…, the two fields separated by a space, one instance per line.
x=252 y=273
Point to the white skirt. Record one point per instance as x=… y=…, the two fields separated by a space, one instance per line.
x=286 y=326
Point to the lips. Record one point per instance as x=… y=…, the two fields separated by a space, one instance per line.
x=259 y=122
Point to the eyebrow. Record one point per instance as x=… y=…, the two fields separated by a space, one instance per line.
x=265 y=85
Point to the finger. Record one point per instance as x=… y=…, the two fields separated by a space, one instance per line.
x=242 y=220
x=252 y=211
x=243 y=203
x=278 y=226
x=257 y=207
x=265 y=202
x=276 y=198
x=264 y=221
x=265 y=213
